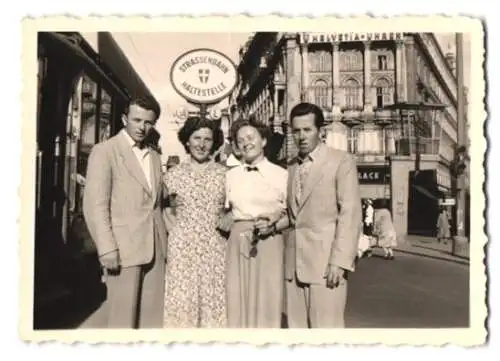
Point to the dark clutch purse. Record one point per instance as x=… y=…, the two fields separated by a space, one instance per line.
x=80 y=239
x=225 y=223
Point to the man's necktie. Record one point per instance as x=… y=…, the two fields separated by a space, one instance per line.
x=300 y=178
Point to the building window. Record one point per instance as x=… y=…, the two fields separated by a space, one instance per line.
x=382 y=62
x=321 y=94
x=321 y=61
x=384 y=93
x=351 y=60
x=281 y=102
x=352 y=140
x=353 y=92
x=380 y=97
x=370 y=140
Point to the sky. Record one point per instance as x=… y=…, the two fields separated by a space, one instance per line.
x=152 y=55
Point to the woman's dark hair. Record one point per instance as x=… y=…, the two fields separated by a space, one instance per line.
x=193 y=124
x=308 y=108
x=263 y=129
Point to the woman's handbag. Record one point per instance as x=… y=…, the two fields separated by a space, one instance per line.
x=225 y=223
x=80 y=239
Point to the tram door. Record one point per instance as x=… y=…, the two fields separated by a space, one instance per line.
x=73 y=114
x=89 y=123
x=53 y=271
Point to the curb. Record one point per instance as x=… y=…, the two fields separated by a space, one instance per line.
x=429 y=247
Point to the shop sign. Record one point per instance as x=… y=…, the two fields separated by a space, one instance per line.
x=447 y=202
x=373 y=174
x=203 y=76
x=350 y=37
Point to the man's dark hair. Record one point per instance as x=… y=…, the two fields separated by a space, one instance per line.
x=145 y=102
x=263 y=129
x=308 y=108
x=193 y=124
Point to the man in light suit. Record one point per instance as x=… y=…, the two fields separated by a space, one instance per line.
x=122 y=207
x=325 y=214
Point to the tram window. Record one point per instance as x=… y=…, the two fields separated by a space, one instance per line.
x=87 y=135
x=88 y=130
x=105 y=116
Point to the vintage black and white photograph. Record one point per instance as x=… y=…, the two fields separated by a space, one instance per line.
x=242 y=179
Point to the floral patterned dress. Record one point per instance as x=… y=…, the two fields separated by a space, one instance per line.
x=195 y=277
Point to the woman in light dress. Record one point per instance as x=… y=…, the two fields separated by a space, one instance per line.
x=383 y=229
x=256 y=195
x=443 y=226
x=196 y=254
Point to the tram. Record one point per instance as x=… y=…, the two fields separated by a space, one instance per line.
x=83 y=88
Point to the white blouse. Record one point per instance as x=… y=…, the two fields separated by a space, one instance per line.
x=253 y=193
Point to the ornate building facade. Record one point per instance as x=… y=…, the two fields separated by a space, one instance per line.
x=354 y=77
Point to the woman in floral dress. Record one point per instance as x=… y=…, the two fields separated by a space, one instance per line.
x=195 y=276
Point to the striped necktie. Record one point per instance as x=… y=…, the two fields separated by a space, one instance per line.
x=301 y=176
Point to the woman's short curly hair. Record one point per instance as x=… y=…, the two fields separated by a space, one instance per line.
x=193 y=124
x=262 y=128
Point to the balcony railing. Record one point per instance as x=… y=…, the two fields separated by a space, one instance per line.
x=385 y=143
x=409 y=146
x=279 y=78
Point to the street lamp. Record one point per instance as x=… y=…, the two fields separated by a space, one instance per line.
x=383 y=122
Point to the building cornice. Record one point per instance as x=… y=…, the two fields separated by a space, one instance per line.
x=437 y=60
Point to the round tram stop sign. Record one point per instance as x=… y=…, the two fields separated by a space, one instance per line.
x=203 y=76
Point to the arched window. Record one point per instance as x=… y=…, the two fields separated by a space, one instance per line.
x=321 y=94
x=384 y=93
x=352 y=91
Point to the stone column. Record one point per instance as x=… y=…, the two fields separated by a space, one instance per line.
x=367 y=77
x=409 y=71
x=335 y=80
x=305 y=71
x=292 y=94
x=400 y=69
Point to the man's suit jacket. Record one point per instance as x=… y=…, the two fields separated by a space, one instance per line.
x=327 y=220
x=121 y=211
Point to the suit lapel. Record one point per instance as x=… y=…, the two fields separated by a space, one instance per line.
x=131 y=163
x=314 y=175
x=156 y=172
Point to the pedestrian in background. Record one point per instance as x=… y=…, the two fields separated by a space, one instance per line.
x=443 y=226
x=384 y=230
x=368 y=218
x=195 y=275
x=366 y=239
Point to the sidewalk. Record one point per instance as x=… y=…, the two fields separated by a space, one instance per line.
x=430 y=247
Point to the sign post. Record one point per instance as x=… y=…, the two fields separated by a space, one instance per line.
x=203 y=77
x=460 y=239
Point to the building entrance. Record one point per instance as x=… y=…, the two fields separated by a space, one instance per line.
x=423 y=197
